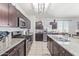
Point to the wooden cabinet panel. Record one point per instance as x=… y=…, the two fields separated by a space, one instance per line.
x=48 y=41
x=16 y=51
x=8 y=15
x=49 y=45
x=3 y=14
x=12 y=16
x=21 y=50
x=55 y=49
x=62 y=51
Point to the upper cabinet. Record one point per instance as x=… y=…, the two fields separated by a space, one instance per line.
x=12 y=16
x=3 y=14
x=9 y=16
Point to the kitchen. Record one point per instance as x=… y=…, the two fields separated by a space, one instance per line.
x=34 y=31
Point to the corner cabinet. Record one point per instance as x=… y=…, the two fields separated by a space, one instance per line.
x=55 y=49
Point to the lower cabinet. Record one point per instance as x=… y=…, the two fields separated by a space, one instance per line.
x=16 y=51
x=55 y=49
x=49 y=45
x=13 y=53
x=22 y=49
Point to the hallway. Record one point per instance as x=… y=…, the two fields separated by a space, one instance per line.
x=39 y=48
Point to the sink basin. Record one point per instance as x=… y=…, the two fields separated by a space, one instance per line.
x=63 y=39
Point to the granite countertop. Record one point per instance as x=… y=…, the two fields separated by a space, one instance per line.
x=8 y=44
x=72 y=46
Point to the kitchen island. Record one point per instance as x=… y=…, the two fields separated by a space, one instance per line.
x=62 y=48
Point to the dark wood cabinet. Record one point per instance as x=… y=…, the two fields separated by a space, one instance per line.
x=12 y=16
x=8 y=15
x=13 y=53
x=18 y=50
x=49 y=44
x=3 y=14
x=55 y=49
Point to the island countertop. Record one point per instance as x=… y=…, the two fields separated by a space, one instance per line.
x=9 y=43
x=72 y=46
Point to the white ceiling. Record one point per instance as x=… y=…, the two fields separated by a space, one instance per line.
x=27 y=7
x=53 y=9
x=64 y=10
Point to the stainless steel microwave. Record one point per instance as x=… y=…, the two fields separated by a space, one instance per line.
x=21 y=23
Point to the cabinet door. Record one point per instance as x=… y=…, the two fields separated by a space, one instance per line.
x=3 y=14
x=56 y=49
x=50 y=45
x=26 y=46
x=12 y=16
x=13 y=53
x=62 y=51
x=21 y=49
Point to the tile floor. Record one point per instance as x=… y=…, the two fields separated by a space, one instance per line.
x=39 y=48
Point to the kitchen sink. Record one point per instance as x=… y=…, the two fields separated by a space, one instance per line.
x=63 y=39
